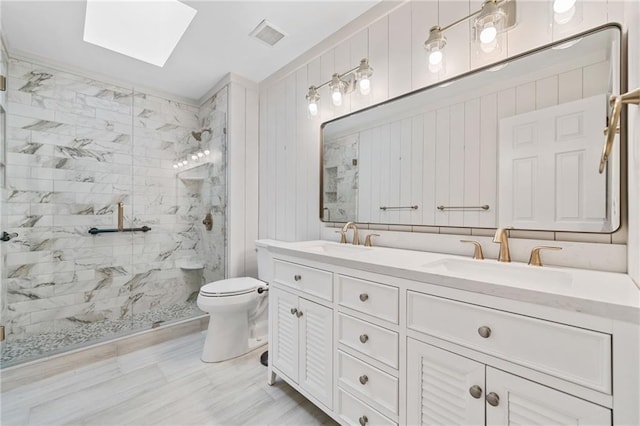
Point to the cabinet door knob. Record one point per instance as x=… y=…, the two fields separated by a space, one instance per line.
x=364 y=338
x=493 y=399
x=363 y=379
x=299 y=314
x=294 y=311
x=297 y=277
x=363 y=420
x=364 y=297
x=484 y=331
x=475 y=391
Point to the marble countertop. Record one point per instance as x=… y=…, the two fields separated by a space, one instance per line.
x=605 y=294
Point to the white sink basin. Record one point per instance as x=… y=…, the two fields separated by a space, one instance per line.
x=502 y=273
x=334 y=249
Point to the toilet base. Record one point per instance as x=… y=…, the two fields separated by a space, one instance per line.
x=228 y=337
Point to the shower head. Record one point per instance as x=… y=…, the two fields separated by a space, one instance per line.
x=198 y=135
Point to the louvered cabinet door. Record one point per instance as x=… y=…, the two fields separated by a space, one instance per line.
x=284 y=348
x=516 y=401
x=316 y=351
x=443 y=388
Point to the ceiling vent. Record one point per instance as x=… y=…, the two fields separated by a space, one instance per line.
x=267 y=33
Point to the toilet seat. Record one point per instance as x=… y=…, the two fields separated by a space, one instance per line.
x=230 y=287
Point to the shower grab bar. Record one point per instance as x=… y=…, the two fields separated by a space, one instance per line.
x=94 y=231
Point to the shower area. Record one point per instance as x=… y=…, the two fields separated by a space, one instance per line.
x=73 y=148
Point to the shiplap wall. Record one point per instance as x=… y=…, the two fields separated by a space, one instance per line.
x=632 y=16
x=289 y=139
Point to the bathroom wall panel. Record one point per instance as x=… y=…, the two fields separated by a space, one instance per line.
x=379 y=59
x=400 y=50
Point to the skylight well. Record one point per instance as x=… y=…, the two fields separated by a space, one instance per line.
x=147 y=30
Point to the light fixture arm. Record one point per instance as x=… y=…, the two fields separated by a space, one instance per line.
x=471 y=15
x=340 y=76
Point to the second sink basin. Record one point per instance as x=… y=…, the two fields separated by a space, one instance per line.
x=502 y=273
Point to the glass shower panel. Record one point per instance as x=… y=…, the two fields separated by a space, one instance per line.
x=68 y=164
x=173 y=191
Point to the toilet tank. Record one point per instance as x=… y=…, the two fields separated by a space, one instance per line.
x=265 y=261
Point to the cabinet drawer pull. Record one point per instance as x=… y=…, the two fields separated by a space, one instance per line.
x=484 y=331
x=363 y=420
x=294 y=311
x=363 y=379
x=297 y=277
x=493 y=399
x=364 y=297
x=475 y=391
x=299 y=314
x=364 y=338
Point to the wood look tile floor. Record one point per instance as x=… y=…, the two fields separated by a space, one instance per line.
x=165 y=384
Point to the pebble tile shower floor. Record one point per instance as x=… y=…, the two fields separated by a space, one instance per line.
x=44 y=344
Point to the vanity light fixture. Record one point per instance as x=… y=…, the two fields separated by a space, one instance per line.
x=342 y=84
x=493 y=18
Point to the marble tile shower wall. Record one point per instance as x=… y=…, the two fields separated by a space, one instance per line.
x=77 y=147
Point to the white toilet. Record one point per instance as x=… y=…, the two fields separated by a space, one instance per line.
x=237 y=312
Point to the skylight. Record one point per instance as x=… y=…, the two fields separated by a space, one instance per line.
x=147 y=30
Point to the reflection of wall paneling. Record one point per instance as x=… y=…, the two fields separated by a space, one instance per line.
x=447 y=156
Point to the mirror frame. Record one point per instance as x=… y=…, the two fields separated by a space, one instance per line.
x=622 y=135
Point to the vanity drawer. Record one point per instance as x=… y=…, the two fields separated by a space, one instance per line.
x=310 y=280
x=369 y=339
x=370 y=384
x=574 y=354
x=352 y=411
x=371 y=298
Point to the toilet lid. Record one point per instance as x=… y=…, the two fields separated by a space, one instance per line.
x=230 y=287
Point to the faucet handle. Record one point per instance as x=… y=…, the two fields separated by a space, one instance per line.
x=367 y=240
x=343 y=237
x=477 y=251
x=534 y=259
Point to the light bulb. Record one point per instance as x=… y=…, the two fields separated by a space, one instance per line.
x=488 y=34
x=175 y=166
x=564 y=10
x=435 y=57
x=185 y=162
x=336 y=96
x=194 y=157
x=365 y=86
x=313 y=108
x=563 y=6
x=200 y=155
x=207 y=152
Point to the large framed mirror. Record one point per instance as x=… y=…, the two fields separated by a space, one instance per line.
x=515 y=144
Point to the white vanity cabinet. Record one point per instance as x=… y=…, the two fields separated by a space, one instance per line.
x=367 y=395
x=446 y=388
x=301 y=341
x=373 y=345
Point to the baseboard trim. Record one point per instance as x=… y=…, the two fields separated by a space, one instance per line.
x=29 y=372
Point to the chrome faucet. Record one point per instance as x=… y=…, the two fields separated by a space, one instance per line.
x=346 y=227
x=503 y=240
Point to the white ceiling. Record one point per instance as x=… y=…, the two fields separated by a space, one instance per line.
x=216 y=42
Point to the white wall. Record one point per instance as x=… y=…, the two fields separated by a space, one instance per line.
x=242 y=157
x=392 y=40
x=632 y=17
